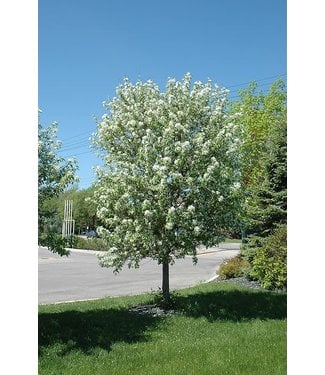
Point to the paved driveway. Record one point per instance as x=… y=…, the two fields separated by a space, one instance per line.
x=79 y=276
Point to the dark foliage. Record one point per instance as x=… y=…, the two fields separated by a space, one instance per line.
x=269 y=203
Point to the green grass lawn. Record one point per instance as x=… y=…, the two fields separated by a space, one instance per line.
x=218 y=328
x=233 y=240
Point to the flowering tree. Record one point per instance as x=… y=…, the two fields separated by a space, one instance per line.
x=170 y=175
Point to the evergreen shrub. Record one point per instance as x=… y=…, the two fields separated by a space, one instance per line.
x=269 y=265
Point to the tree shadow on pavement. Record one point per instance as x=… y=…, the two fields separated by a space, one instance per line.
x=88 y=330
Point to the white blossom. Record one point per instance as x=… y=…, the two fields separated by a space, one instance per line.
x=186 y=144
x=191 y=208
x=197 y=230
x=169 y=226
x=158 y=182
x=171 y=210
x=210 y=169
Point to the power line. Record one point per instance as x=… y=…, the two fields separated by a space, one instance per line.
x=76 y=145
x=256 y=80
x=81 y=153
x=259 y=86
x=77 y=135
x=77 y=141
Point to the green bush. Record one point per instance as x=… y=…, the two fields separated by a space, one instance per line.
x=269 y=265
x=235 y=267
x=89 y=244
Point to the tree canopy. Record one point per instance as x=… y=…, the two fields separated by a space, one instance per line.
x=170 y=179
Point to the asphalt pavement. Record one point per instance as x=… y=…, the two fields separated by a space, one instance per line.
x=79 y=276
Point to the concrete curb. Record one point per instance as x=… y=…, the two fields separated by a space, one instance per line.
x=212 y=279
x=85 y=251
x=72 y=301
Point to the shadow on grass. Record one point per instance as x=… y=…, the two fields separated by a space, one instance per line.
x=91 y=329
x=233 y=305
x=88 y=330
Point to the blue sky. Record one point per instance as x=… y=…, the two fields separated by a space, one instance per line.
x=86 y=48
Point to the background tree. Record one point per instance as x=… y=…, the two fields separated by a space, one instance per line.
x=264 y=160
x=54 y=175
x=263 y=120
x=170 y=175
x=268 y=207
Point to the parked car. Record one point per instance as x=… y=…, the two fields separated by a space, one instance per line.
x=92 y=234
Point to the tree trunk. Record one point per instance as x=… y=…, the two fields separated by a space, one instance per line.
x=165 y=282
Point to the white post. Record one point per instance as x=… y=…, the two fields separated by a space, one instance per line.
x=68 y=223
